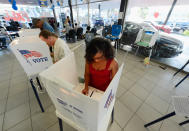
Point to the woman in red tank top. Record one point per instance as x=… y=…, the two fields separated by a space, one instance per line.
x=100 y=65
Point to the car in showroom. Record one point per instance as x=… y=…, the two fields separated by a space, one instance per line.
x=98 y=22
x=180 y=27
x=165 y=46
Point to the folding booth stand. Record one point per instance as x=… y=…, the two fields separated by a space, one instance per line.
x=146 y=38
x=85 y=113
x=187 y=75
x=33 y=55
x=181 y=106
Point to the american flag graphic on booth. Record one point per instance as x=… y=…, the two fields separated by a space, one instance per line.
x=27 y=53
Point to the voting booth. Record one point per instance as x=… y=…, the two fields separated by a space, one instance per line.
x=146 y=37
x=85 y=113
x=32 y=53
x=29 y=32
x=34 y=56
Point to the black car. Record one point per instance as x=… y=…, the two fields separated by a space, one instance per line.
x=99 y=22
x=165 y=46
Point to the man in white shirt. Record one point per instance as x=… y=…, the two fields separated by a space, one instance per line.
x=60 y=48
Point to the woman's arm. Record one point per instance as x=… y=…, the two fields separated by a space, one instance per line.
x=114 y=67
x=87 y=79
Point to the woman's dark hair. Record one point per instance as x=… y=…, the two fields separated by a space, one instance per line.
x=46 y=34
x=99 y=45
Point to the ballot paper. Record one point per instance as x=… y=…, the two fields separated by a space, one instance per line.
x=93 y=92
x=181 y=105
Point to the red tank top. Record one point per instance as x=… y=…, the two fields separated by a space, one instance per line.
x=100 y=79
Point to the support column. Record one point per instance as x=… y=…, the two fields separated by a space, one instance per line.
x=88 y=2
x=122 y=12
x=99 y=7
x=78 y=22
x=170 y=11
x=54 y=13
x=71 y=12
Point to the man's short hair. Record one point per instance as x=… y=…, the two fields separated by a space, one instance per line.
x=35 y=22
x=45 y=34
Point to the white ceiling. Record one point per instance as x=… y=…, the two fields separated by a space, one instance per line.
x=141 y=3
x=21 y=2
x=146 y=3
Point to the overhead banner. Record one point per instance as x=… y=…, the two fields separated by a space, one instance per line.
x=32 y=53
x=20 y=16
x=86 y=113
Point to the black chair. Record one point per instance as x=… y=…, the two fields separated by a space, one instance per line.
x=3 y=42
x=129 y=36
x=71 y=35
x=79 y=33
x=88 y=38
x=12 y=28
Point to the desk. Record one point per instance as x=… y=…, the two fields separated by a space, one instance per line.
x=12 y=34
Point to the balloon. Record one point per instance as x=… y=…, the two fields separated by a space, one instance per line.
x=58 y=3
x=52 y=7
x=13 y=2
x=14 y=7
x=156 y=14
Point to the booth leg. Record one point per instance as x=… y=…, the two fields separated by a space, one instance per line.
x=150 y=53
x=181 y=68
x=60 y=124
x=112 y=116
x=115 y=46
x=160 y=119
x=181 y=80
x=36 y=95
x=118 y=43
x=39 y=83
x=184 y=122
x=137 y=50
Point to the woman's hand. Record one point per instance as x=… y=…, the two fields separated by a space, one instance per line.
x=85 y=91
x=52 y=54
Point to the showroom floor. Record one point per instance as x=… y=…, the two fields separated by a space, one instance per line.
x=144 y=94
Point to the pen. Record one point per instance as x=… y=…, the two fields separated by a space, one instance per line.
x=91 y=93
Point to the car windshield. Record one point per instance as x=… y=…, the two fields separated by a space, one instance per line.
x=131 y=27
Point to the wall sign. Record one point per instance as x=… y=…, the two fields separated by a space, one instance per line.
x=43 y=3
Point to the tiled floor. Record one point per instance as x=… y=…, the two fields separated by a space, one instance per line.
x=144 y=94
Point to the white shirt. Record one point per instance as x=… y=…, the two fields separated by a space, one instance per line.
x=61 y=49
